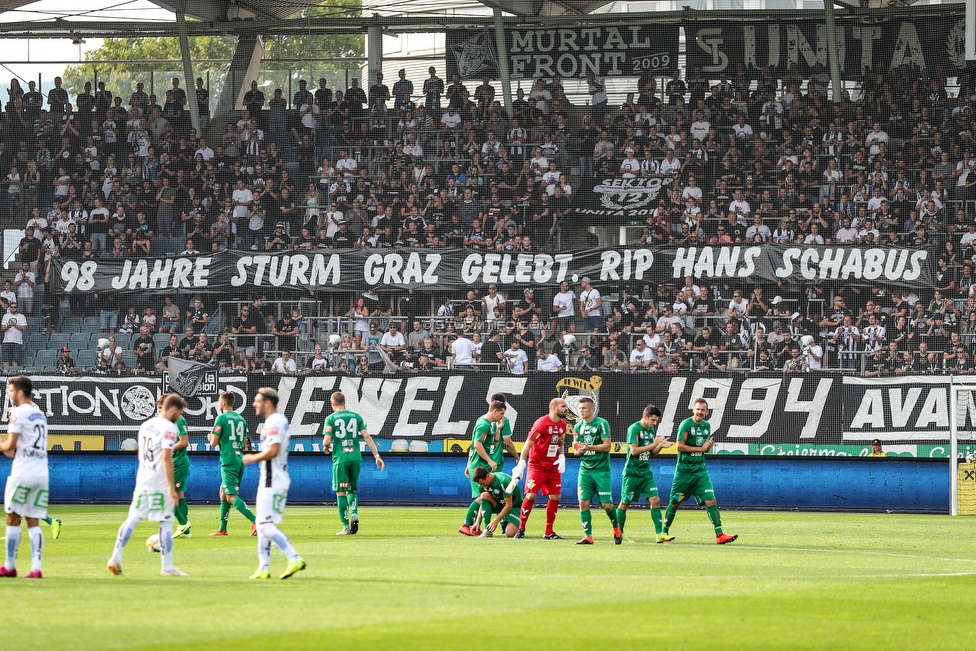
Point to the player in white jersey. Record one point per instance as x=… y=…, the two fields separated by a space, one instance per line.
x=155 y=495
x=272 y=486
x=26 y=493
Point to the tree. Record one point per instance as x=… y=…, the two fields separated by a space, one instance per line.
x=121 y=78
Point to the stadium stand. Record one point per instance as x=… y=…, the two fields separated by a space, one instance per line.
x=745 y=159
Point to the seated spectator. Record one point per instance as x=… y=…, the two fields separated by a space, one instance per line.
x=223 y=351
x=201 y=351
x=112 y=357
x=392 y=343
x=546 y=361
x=284 y=364
x=317 y=364
x=65 y=364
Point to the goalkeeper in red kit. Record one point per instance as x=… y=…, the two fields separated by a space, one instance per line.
x=546 y=464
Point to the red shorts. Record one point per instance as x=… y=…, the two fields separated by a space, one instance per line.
x=544 y=481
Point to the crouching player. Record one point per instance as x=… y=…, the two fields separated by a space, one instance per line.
x=501 y=497
x=481 y=455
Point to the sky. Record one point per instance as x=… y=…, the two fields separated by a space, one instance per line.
x=39 y=51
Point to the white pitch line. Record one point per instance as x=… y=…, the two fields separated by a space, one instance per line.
x=857 y=551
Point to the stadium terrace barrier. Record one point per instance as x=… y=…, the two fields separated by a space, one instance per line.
x=891 y=484
x=752 y=414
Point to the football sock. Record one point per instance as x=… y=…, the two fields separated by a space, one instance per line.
x=622 y=518
x=612 y=514
x=13 y=542
x=280 y=541
x=241 y=506
x=343 y=503
x=166 y=544
x=264 y=553
x=37 y=545
x=224 y=512
x=715 y=517
x=587 y=518
x=353 y=505
x=184 y=510
x=178 y=513
x=48 y=521
x=125 y=532
x=471 y=514
x=551 y=508
x=669 y=517
x=656 y=517
x=526 y=510
x=486 y=511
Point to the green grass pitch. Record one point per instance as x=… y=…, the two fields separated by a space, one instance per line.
x=409 y=581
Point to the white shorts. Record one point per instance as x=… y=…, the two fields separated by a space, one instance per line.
x=152 y=505
x=26 y=496
x=270 y=505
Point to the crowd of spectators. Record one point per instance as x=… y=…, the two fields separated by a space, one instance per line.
x=743 y=158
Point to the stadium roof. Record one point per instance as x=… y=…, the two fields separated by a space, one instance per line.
x=101 y=18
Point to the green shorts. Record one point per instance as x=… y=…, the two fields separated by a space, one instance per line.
x=180 y=473
x=635 y=488
x=595 y=482
x=230 y=479
x=511 y=518
x=685 y=485
x=345 y=476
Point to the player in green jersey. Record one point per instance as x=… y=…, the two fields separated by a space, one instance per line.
x=346 y=427
x=690 y=476
x=480 y=456
x=181 y=471
x=592 y=442
x=502 y=436
x=229 y=433
x=638 y=480
x=501 y=496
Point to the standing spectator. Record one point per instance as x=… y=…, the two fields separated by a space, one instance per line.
x=563 y=307
x=25 y=280
x=813 y=352
x=245 y=326
x=597 y=89
x=286 y=329
x=198 y=316
x=14 y=326
x=491 y=350
x=590 y=306
x=433 y=89
x=515 y=359
x=463 y=350
x=145 y=350
x=171 y=317
x=416 y=337
x=492 y=300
